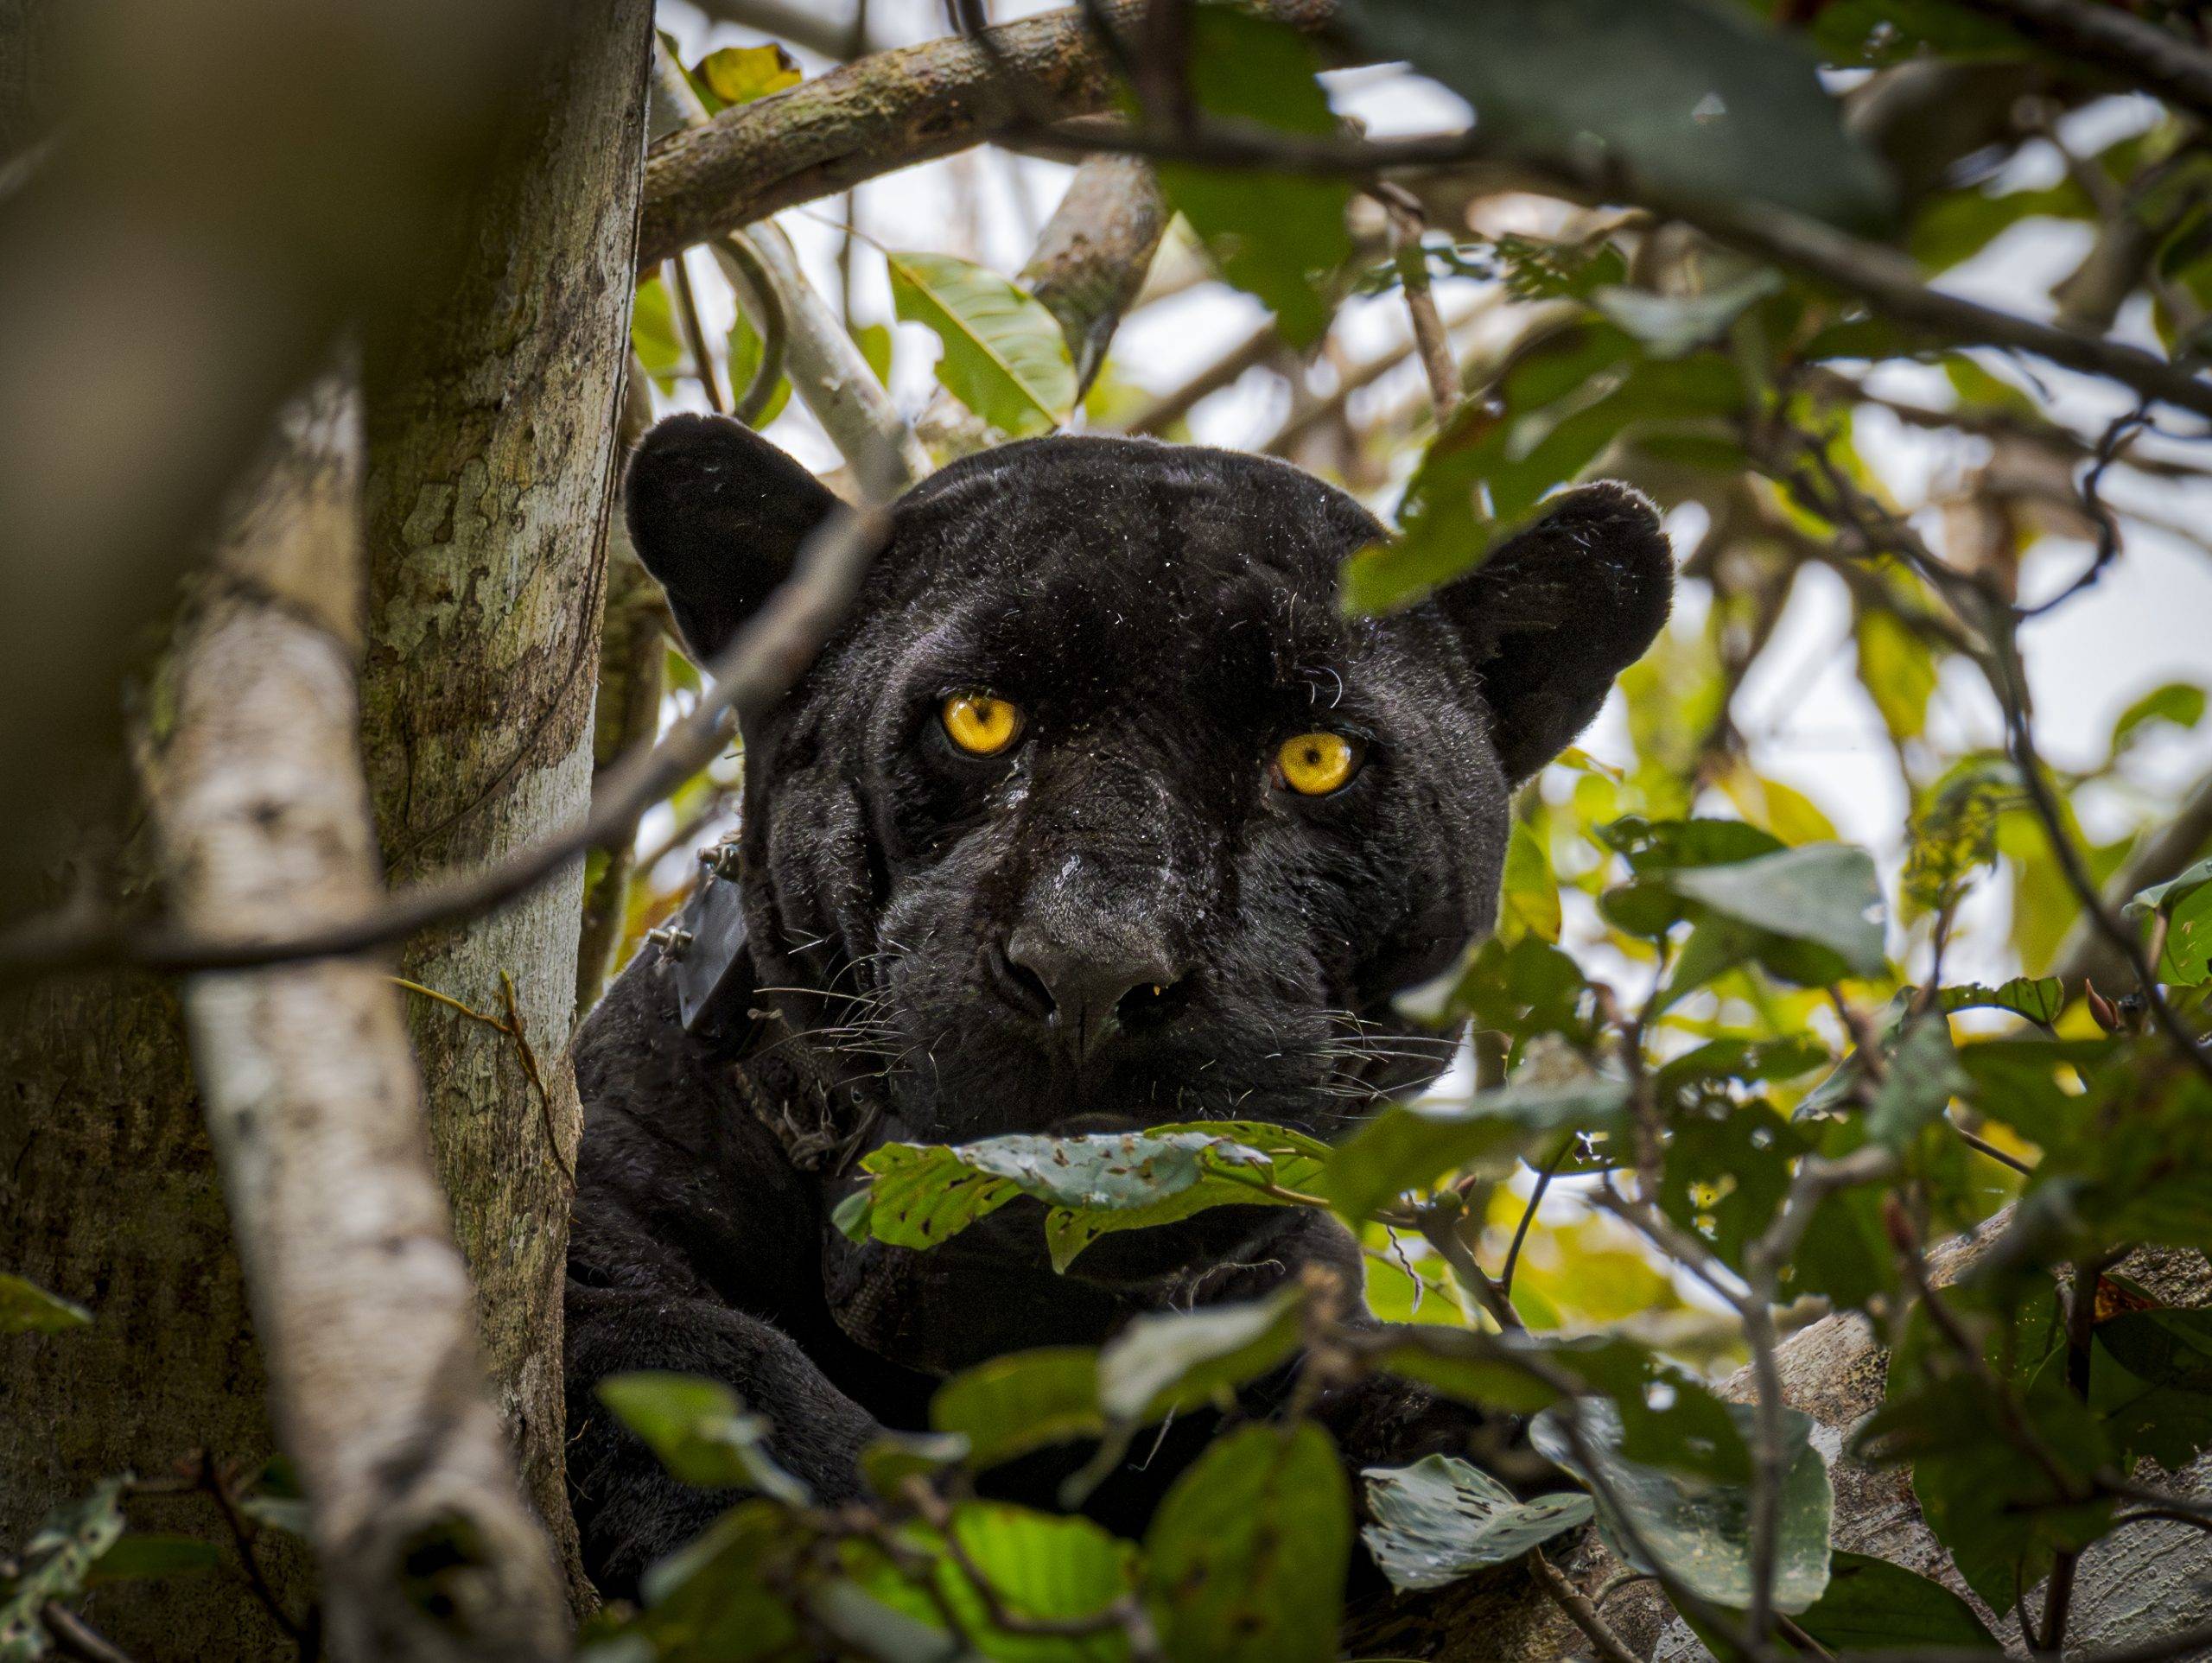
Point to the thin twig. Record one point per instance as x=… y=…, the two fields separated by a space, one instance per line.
x=1579 y=1611
x=695 y=337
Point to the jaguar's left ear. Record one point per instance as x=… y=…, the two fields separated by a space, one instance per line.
x=1557 y=612
x=718 y=514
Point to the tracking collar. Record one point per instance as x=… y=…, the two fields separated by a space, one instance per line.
x=705 y=951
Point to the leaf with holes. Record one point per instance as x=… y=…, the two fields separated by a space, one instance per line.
x=923 y=1194
x=1441 y=1518
x=1004 y=356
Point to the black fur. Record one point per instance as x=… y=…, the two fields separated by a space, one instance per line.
x=1165 y=617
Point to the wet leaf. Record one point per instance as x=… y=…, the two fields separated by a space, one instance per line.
x=1701 y=1530
x=923 y=1194
x=1440 y=1519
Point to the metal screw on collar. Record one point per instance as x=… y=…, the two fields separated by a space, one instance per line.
x=720 y=859
x=670 y=939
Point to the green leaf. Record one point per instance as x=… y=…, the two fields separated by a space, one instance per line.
x=1041 y=1569
x=1561 y=401
x=1683 y=96
x=925 y=1193
x=875 y=340
x=700 y=1431
x=739 y=74
x=1699 y=1530
x=2150 y=1382
x=653 y=332
x=722 y=1595
x=1020 y=1402
x=56 y=1564
x=2039 y=998
x=1726 y=1173
x=1245 y=1560
x=1267 y=232
x=1994 y=1509
x=1898 y=670
x=891 y=1457
x=1004 y=357
x=1670 y=325
x=1872 y=1604
x=26 y=1308
x=1922 y=1077
x=1528 y=900
x=1408 y=1145
x=138 y=1557
x=1823 y=895
x=1441 y=1518
x=2179 y=703
x=2186 y=903
x=1165 y=1363
x=1647 y=905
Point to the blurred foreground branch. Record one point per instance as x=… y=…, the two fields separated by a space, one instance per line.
x=364 y=1307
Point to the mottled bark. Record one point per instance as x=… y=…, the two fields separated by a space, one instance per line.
x=2140 y=1582
x=491 y=423
x=425 y=1545
x=108 y=1196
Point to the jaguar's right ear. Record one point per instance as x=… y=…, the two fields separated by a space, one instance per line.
x=717 y=514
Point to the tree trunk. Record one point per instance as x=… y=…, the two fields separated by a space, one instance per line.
x=491 y=450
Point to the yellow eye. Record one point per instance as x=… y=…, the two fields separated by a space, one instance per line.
x=1313 y=765
x=979 y=724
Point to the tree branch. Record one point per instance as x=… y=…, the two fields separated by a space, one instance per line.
x=1094 y=253
x=888 y=110
x=2150 y=57
x=360 y=1298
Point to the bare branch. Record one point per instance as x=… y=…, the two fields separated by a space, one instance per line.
x=1887 y=279
x=2153 y=58
x=1094 y=253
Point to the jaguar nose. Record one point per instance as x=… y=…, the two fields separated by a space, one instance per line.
x=1086 y=996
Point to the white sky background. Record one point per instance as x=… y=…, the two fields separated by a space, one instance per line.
x=1809 y=722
